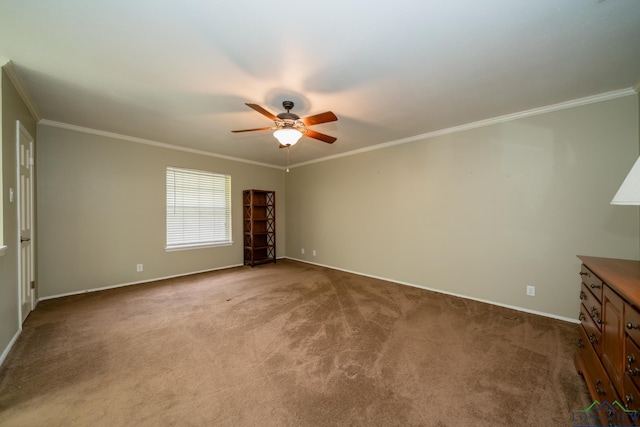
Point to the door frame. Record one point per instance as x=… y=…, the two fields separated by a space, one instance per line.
x=22 y=131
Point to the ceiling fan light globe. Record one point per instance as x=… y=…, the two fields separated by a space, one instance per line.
x=287 y=136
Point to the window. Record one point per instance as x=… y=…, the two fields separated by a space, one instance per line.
x=198 y=208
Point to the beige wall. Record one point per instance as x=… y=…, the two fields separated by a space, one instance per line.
x=13 y=109
x=101 y=210
x=481 y=213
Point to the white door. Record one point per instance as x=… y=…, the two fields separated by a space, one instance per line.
x=25 y=219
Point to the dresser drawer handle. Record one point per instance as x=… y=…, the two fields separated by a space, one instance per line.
x=593 y=339
x=631 y=326
x=630 y=369
x=595 y=286
x=594 y=312
x=599 y=390
x=627 y=399
x=583 y=273
x=580 y=343
x=583 y=295
x=610 y=414
x=581 y=316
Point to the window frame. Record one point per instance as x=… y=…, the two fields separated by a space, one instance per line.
x=198 y=177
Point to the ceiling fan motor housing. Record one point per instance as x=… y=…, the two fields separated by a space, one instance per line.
x=288 y=105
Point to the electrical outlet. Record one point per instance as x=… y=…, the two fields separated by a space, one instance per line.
x=139 y=268
x=531 y=291
x=314 y=252
x=302 y=251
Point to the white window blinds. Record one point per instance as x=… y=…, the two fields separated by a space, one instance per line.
x=198 y=208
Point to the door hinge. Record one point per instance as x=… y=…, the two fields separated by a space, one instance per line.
x=33 y=284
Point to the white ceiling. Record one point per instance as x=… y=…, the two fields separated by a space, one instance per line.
x=180 y=72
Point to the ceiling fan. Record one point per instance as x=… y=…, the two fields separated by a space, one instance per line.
x=289 y=127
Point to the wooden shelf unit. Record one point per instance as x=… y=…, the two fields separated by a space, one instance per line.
x=259 y=224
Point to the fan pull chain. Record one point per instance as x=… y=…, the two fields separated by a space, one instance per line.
x=288 y=147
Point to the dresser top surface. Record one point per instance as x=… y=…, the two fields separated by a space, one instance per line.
x=621 y=274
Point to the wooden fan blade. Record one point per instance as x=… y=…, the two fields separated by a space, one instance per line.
x=321 y=136
x=249 y=130
x=319 y=118
x=262 y=111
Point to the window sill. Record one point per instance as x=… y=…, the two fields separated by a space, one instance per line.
x=203 y=246
x=3 y=249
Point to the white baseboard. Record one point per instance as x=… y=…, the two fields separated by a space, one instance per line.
x=9 y=346
x=512 y=307
x=84 y=291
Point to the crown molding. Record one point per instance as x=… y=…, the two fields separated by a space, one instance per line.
x=488 y=122
x=106 y=134
x=21 y=89
x=482 y=123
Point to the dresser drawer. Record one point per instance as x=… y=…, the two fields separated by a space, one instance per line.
x=594 y=373
x=631 y=398
x=592 y=333
x=593 y=306
x=592 y=282
x=632 y=322
x=632 y=360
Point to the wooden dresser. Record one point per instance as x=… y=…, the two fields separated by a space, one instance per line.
x=608 y=355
